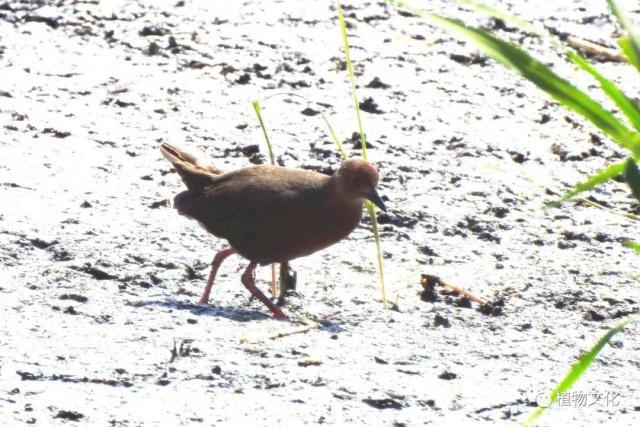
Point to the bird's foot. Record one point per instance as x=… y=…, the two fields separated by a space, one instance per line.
x=279 y=314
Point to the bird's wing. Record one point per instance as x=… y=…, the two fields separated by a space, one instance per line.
x=260 y=203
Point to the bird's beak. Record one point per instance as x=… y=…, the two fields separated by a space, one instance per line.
x=374 y=198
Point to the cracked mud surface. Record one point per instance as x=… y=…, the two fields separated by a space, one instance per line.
x=99 y=276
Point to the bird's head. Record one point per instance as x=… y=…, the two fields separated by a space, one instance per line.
x=358 y=178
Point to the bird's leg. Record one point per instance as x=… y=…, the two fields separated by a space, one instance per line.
x=287 y=282
x=217 y=260
x=249 y=282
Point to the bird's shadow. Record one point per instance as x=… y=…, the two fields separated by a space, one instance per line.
x=237 y=314
x=232 y=313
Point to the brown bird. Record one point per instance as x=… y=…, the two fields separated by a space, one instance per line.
x=272 y=214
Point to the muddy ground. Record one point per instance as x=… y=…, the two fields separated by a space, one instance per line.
x=100 y=277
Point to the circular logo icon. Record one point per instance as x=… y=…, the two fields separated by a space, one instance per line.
x=543 y=400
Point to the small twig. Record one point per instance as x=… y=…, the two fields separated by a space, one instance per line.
x=309 y=362
x=310 y=325
x=275 y=292
x=591 y=48
x=613 y=211
x=174 y=352
x=428 y=278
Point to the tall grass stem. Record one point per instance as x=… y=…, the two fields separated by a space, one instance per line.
x=363 y=141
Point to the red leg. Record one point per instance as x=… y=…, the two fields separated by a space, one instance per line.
x=249 y=283
x=217 y=260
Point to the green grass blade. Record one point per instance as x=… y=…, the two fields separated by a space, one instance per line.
x=539 y=74
x=321 y=110
x=630 y=47
x=629 y=52
x=601 y=177
x=258 y=110
x=632 y=245
x=632 y=174
x=370 y=206
x=539 y=30
x=333 y=135
x=578 y=369
x=626 y=105
x=499 y=14
x=371 y=209
x=345 y=45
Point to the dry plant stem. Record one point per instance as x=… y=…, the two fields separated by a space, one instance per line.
x=309 y=362
x=374 y=222
x=258 y=110
x=461 y=291
x=613 y=211
x=321 y=110
x=595 y=49
x=274 y=283
x=310 y=326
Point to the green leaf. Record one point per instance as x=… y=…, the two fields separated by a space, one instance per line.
x=601 y=177
x=258 y=110
x=632 y=245
x=626 y=105
x=632 y=174
x=322 y=114
x=507 y=17
x=539 y=74
x=629 y=52
x=631 y=44
x=578 y=369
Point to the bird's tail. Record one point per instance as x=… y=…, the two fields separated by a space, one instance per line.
x=194 y=174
